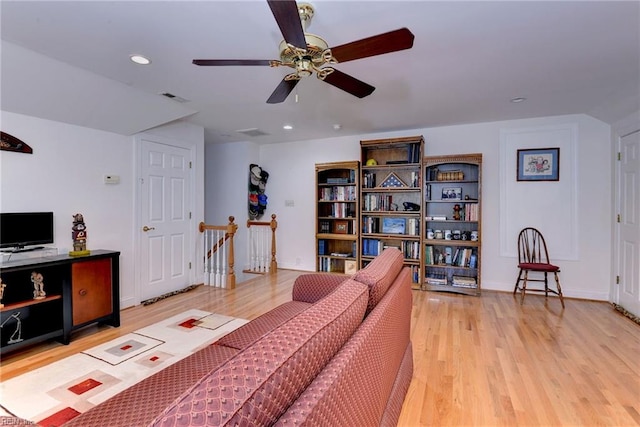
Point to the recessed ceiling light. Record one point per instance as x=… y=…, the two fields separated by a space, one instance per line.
x=287 y=127
x=139 y=59
x=518 y=99
x=337 y=126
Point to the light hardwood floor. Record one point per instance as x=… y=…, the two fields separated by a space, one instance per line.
x=478 y=361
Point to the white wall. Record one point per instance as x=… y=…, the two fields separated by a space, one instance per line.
x=291 y=168
x=65 y=175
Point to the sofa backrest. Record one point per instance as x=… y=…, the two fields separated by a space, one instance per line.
x=260 y=383
x=379 y=274
x=356 y=387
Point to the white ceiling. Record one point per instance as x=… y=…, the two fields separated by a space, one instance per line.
x=468 y=60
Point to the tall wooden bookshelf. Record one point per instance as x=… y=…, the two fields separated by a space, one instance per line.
x=391 y=200
x=452 y=209
x=337 y=217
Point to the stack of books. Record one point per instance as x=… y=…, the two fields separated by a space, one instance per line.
x=464 y=282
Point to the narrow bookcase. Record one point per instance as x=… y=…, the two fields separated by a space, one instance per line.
x=391 y=200
x=337 y=217
x=452 y=208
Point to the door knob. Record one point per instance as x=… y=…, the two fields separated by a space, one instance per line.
x=145 y=228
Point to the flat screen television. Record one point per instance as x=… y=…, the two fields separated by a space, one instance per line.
x=23 y=230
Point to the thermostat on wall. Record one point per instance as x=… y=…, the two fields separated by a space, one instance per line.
x=112 y=179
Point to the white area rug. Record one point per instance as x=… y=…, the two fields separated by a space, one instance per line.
x=55 y=393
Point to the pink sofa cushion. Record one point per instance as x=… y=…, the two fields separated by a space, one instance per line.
x=256 y=387
x=379 y=274
x=141 y=403
x=245 y=335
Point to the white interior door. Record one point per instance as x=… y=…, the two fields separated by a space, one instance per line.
x=629 y=225
x=165 y=236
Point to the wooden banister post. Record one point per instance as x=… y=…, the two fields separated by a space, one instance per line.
x=231 y=231
x=274 y=264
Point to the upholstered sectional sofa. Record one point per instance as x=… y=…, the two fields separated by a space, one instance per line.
x=337 y=354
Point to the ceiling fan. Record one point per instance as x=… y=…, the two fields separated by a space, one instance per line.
x=307 y=53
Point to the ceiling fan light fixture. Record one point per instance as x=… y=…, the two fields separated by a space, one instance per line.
x=140 y=59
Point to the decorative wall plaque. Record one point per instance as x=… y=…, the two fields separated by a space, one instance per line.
x=11 y=143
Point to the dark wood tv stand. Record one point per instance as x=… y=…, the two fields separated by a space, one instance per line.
x=78 y=291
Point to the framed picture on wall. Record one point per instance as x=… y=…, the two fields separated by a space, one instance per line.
x=538 y=164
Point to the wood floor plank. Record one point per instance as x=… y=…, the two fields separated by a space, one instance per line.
x=478 y=361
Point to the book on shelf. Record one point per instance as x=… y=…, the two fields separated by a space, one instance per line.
x=340 y=254
x=322 y=247
x=464 y=280
x=436 y=218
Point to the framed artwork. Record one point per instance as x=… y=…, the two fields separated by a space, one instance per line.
x=539 y=164
x=341 y=227
x=393 y=225
x=451 y=193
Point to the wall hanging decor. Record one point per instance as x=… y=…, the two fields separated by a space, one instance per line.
x=540 y=164
x=257 y=199
x=11 y=143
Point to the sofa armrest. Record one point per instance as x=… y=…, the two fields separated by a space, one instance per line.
x=315 y=286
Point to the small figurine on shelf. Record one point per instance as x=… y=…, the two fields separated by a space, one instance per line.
x=2 y=286
x=79 y=236
x=456 y=212
x=38 y=285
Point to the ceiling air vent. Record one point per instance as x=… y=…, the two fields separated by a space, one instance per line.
x=252 y=132
x=173 y=97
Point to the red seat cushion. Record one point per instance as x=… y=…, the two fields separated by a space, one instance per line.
x=535 y=266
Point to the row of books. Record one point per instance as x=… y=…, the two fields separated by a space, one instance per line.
x=471 y=212
x=373 y=247
x=338 y=193
x=337 y=210
x=462 y=257
x=377 y=202
x=435 y=174
x=436 y=279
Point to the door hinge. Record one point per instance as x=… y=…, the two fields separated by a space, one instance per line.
x=617 y=280
x=189 y=265
x=189 y=215
x=619 y=156
x=190 y=165
x=619 y=218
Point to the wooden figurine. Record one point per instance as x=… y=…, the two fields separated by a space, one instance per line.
x=38 y=285
x=456 y=212
x=2 y=286
x=79 y=236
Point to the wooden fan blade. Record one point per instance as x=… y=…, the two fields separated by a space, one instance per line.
x=288 y=19
x=282 y=91
x=349 y=84
x=219 y=62
x=376 y=45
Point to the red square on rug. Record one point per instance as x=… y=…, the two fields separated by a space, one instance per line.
x=59 y=418
x=188 y=323
x=84 y=386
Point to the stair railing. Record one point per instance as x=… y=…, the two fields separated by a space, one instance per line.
x=219 y=254
x=261 y=241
